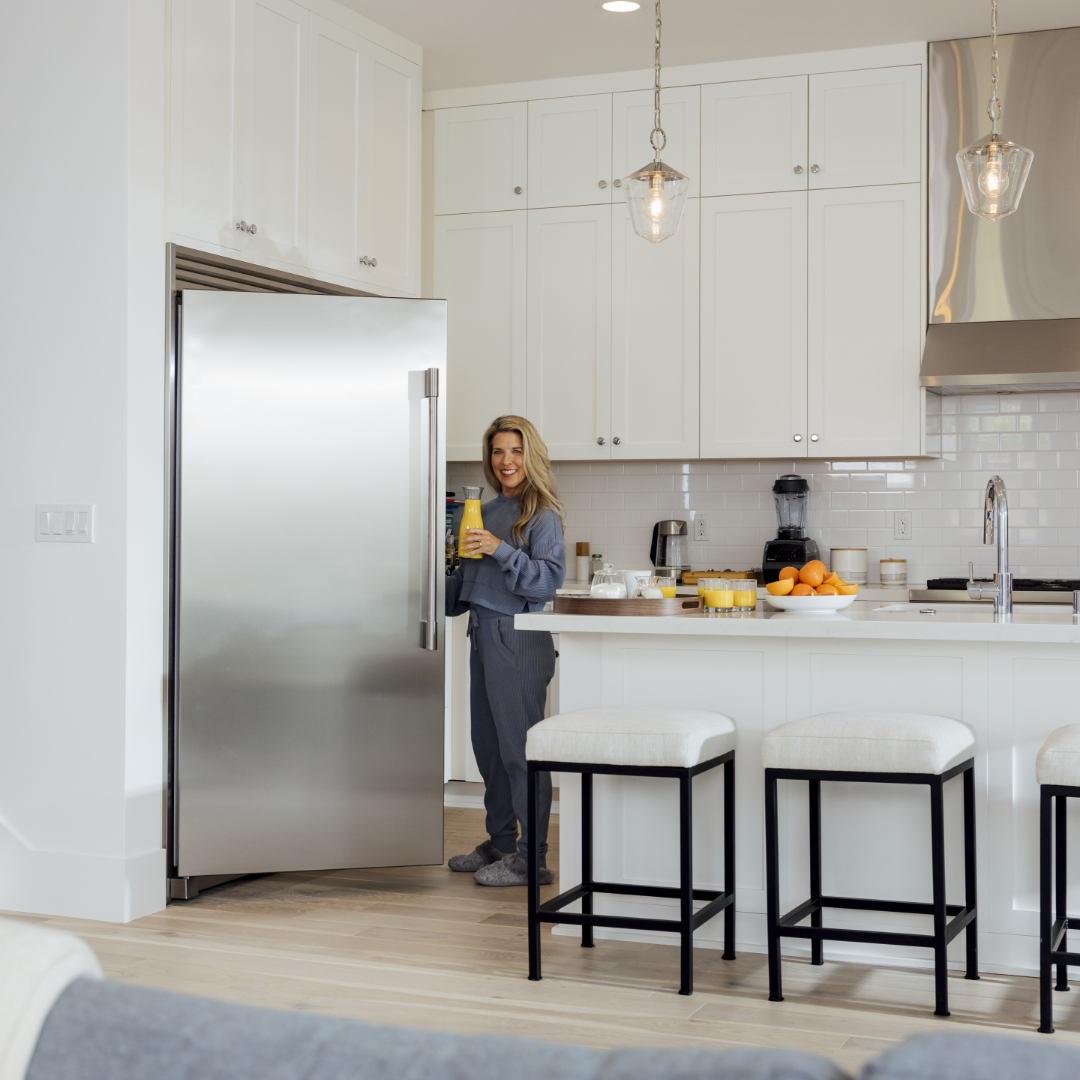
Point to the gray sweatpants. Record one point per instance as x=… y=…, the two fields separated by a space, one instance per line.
x=510 y=671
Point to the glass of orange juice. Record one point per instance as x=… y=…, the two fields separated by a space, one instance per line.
x=716 y=596
x=744 y=593
x=668 y=591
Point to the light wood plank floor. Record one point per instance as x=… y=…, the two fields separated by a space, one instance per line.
x=422 y=947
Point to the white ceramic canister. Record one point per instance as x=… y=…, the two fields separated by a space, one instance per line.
x=894 y=573
x=850 y=564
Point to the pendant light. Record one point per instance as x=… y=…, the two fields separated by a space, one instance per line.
x=994 y=170
x=655 y=193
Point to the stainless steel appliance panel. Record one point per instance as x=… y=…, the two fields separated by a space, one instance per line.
x=1026 y=265
x=309 y=717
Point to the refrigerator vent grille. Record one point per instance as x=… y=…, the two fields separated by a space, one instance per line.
x=191 y=269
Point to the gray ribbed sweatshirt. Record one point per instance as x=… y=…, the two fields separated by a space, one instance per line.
x=517 y=577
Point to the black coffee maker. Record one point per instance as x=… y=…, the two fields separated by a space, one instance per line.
x=792 y=547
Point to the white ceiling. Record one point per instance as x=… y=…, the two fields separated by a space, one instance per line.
x=478 y=42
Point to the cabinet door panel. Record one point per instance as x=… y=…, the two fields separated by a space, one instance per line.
x=866 y=127
x=481 y=156
x=393 y=181
x=570 y=151
x=274 y=190
x=632 y=123
x=204 y=188
x=753 y=136
x=569 y=330
x=654 y=340
x=480 y=270
x=753 y=326
x=338 y=137
x=866 y=323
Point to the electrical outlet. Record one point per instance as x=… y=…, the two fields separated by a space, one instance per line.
x=902 y=525
x=701 y=527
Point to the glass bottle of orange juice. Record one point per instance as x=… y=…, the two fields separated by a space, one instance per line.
x=471 y=518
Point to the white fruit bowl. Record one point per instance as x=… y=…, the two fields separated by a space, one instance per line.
x=810 y=604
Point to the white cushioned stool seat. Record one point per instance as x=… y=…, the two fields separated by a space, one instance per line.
x=652 y=738
x=868 y=742
x=1059 y=759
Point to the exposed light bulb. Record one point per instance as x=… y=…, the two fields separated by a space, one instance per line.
x=658 y=204
x=994 y=178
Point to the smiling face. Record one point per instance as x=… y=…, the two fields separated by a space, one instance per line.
x=508 y=461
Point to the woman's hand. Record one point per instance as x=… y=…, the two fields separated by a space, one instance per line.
x=478 y=542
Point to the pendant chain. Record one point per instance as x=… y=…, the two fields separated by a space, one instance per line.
x=658 y=138
x=993 y=107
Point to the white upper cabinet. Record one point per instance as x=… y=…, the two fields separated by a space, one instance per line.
x=569 y=330
x=480 y=270
x=204 y=188
x=632 y=123
x=654 y=340
x=481 y=155
x=866 y=127
x=392 y=202
x=865 y=321
x=570 y=151
x=338 y=139
x=753 y=326
x=274 y=128
x=753 y=136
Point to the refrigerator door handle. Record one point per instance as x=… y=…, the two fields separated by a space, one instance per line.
x=429 y=626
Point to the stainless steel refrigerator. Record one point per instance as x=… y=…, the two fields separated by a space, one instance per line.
x=307 y=664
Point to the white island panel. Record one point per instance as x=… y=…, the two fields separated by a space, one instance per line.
x=876 y=839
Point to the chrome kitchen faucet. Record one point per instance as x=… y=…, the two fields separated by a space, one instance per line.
x=995 y=526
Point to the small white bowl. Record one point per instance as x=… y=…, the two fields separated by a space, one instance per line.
x=810 y=604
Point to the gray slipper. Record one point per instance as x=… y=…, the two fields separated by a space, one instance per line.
x=481 y=856
x=513 y=870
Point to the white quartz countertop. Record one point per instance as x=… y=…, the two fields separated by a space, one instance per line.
x=864 y=619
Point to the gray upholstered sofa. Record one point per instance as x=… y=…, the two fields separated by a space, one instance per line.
x=60 y=1021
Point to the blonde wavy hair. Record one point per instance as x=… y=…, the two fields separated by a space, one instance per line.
x=539 y=492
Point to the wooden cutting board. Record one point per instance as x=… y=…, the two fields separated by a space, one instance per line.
x=690 y=577
x=582 y=605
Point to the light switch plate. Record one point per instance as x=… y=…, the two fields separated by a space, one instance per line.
x=64 y=523
x=902 y=525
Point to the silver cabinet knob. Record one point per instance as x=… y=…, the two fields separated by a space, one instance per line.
x=798 y=438
x=602 y=184
x=373 y=263
x=798 y=170
x=243 y=226
x=616 y=183
x=813 y=438
x=517 y=191
x=815 y=168
x=366 y=260
x=253 y=229
x=600 y=441
x=616 y=440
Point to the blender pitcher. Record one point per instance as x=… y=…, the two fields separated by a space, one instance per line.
x=471 y=518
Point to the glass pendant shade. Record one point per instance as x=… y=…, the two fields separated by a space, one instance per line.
x=993 y=172
x=655 y=195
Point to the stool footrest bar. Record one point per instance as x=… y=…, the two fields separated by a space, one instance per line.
x=1059 y=930
x=616 y=922
x=872 y=937
x=954 y=926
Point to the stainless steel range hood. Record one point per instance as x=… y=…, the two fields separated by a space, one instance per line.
x=1005 y=296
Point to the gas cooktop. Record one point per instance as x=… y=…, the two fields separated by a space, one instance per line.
x=1025 y=590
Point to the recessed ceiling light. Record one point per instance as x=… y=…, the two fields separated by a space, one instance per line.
x=621 y=5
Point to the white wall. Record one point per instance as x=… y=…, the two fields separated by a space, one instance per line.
x=81 y=420
x=1032 y=440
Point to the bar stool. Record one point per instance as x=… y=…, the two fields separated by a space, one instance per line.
x=1057 y=768
x=873 y=748
x=676 y=743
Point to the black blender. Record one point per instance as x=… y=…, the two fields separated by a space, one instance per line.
x=792 y=547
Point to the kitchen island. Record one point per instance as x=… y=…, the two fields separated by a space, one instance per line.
x=1011 y=682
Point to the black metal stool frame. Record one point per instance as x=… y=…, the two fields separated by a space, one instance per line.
x=689 y=920
x=1053 y=928
x=945 y=929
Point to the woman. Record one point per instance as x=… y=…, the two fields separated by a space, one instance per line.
x=524 y=562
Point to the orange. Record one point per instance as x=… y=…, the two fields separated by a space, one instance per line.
x=812 y=574
x=789 y=572
x=802 y=590
x=781 y=587
x=832 y=579
x=826 y=590
x=847 y=590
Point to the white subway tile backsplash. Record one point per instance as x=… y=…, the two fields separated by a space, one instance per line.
x=1031 y=440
